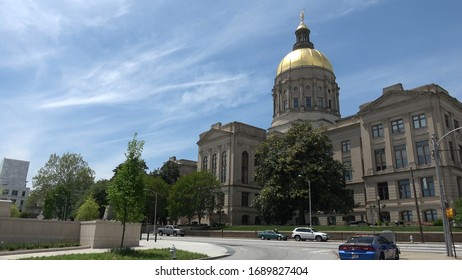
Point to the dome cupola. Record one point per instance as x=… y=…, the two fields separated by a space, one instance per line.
x=304 y=88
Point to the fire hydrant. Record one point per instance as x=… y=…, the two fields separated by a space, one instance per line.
x=173 y=252
x=411 y=239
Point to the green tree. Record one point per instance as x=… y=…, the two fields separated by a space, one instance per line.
x=194 y=194
x=69 y=172
x=99 y=192
x=126 y=191
x=169 y=172
x=14 y=211
x=156 y=186
x=287 y=162
x=458 y=208
x=88 y=211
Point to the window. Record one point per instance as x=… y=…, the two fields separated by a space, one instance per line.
x=223 y=167
x=23 y=193
x=5 y=191
x=404 y=189
x=382 y=189
x=331 y=220
x=423 y=152
x=296 y=105
x=451 y=150
x=285 y=105
x=400 y=156
x=348 y=174
x=427 y=186
x=308 y=102
x=346 y=146
x=406 y=216
x=456 y=125
x=430 y=215
x=419 y=121
x=245 y=168
x=460 y=152
x=214 y=165
x=397 y=126
x=330 y=104
x=320 y=102
x=245 y=199
x=377 y=130
x=446 y=120
x=205 y=163
x=380 y=162
x=14 y=192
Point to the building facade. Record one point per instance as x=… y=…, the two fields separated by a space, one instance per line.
x=387 y=143
x=13 y=180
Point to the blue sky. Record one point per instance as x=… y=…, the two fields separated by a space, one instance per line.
x=84 y=76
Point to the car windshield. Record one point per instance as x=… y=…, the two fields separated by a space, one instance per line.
x=361 y=239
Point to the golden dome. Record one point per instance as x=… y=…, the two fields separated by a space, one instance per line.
x=304 y=57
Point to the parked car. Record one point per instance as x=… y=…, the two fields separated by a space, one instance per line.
x=170 y=229
x=271 y=234
x=305 y=233
x=368 y=247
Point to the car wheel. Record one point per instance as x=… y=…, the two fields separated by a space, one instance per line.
x=279 y=238
x=161 y=233
x=297 y=238
x=396 y=256
x=262 y=238
x=175 y=234
x=182 y=235
x=318 y=238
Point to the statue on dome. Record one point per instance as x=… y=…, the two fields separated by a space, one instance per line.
x=302 y=15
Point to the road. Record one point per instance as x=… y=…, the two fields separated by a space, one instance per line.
x=256 y=249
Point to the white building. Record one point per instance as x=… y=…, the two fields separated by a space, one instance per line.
x=13 y=180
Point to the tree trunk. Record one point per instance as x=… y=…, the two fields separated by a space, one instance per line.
x=301 y=216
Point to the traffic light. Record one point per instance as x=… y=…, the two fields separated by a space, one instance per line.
x=450 y=213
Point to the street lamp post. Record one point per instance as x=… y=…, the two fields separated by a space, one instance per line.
x=378 y=206
x=155 y=220
x=309 y=195
x=416 y=205
x=444 y=203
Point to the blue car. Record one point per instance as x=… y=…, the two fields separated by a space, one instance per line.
x=368 y=247
x=271 y=234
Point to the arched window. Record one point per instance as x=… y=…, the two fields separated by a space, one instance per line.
x=205 y=163
x=224 y=166
x=214 y=165
x=245 y=168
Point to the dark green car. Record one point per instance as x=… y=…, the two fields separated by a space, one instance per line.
x=271 y=234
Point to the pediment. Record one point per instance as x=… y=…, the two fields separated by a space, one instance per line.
x=212 y=135
x=389 y=100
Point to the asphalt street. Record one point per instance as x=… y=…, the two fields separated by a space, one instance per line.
x=216 y=248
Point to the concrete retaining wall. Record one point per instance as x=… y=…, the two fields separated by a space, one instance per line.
x=97 y=234
x=5 y=206
x=107 y=234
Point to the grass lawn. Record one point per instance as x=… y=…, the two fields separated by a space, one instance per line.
x=127 y=254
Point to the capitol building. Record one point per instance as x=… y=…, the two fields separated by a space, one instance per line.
x=388 y=144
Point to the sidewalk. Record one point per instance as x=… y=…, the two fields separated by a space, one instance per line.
x=212 y=251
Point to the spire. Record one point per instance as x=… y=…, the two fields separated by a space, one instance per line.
x=303 y=34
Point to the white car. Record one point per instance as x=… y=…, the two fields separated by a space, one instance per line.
x=305 y=233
